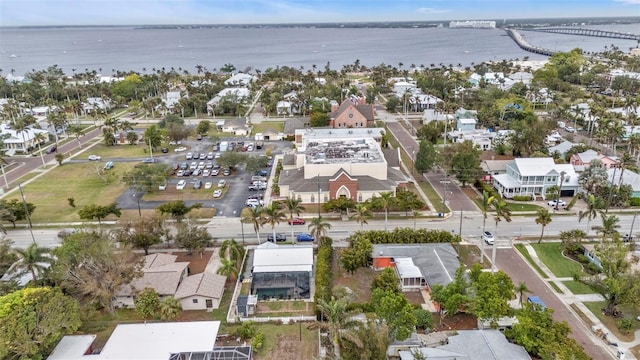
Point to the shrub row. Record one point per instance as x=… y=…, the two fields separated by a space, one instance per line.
x=521 y=198
x=324 y=275
x=405 y=236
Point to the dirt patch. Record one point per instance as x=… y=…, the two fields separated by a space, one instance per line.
x=197 y=263
x=287 y=348
x=194 y=315
x=470 y=192
x=359 y=282
x=456 y=322
x=414 y=297
x=470 y=254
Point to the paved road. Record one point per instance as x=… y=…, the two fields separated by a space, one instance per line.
x=447 y=189
x=27 y=164
x=511 y=263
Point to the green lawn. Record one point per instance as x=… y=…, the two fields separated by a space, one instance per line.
x=555 y=287
x=523 y=206
x=551 y=255
x=578 y=287
x=124 y=151
x=50 y=192
x=295 y=341
x=527 y=256
x=268 y=125
x=610 y=322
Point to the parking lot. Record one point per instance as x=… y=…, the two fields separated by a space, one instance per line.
x=234 y=198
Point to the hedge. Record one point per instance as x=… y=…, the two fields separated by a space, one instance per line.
x=522 y=198
x=324 y=276
x=405 y=236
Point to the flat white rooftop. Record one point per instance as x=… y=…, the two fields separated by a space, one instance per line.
x=269 y=257
x=338 y=151
x=72 y=347
x=159 y=340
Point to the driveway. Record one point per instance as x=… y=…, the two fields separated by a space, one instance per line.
x=447 y=189
x=509 y=261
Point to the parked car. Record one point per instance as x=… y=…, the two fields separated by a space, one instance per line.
x=52 y=149
x=222 y=183
x=304 y=237
x=254 y=202
x=188 y=172
x=94 y=158
x=488 y=237
x=181 y=184
x=206 y=172
x=217 y=156
x=256 y=197
x=217 y=193
x=162 y=187
x=277 y=238
x=197 y=185
x=199 y=137
x=197 y=172
x=108 y=165
x=149 y=160
x=189 y=156
x=180 y=173
x=570 y=129
x=208 y=185
x=201 y=165
x=183 y=166
x=560 y=203
x=226 y=172
x=180 y=149
x=193 y=165
x=164 y=150
x=296 y=221
x=263 y=172
x=208 y=165
x=210 y=156
x=215 y=172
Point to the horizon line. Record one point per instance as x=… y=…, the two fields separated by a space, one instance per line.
x=320 y=22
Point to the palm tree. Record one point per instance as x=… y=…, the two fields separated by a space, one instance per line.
x=39 y=138
x=502 y=212
x=385 y=201
x=319 y=227
x=255 y=217
x=231 y=250
x=228 y=268
x=521 y=289
x=293 y=207
x=625 y=160
x=33 y=259
x=485 y=206
x=338 y=317
x=543 y=219
x=594 y=205
x=77 y=131
x=361 y=215
x=370 y=339
x=609 y=227
x=273 y=216
x=170 y=308
x=562 y=174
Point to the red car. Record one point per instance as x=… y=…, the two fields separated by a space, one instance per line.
x=296 y=221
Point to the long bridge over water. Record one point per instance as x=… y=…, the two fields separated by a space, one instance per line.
x=589 y=32
x=524 y=45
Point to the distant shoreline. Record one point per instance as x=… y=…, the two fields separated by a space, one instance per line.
x=525 y=22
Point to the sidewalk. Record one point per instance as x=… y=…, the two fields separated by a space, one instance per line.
x=578 y=300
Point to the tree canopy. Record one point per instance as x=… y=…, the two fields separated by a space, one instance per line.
x=33 y=320
x=146 y=177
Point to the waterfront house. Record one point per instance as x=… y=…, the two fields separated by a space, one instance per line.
x=240 y=79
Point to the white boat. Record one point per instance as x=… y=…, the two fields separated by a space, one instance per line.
x=13 y=56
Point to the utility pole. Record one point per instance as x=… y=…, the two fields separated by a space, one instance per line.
x=631 y=230
x=318 y=195
x=460 y=230
x=26 y=211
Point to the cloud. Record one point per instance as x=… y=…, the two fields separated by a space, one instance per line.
x=435 y=11
x=629 y=2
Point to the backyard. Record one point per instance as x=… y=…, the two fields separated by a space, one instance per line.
x=281 y=341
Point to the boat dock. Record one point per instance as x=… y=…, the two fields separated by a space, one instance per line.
x=524 y=45
x=589 y=32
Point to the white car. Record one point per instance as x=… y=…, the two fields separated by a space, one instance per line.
x=94 y=157
x=180 y=173
x=217 y=156
x=217 y=193
x=201 y=165
x=208 y=185
x=193 y=165
x=569 y=129
x=222 y=183
x=180 y=149
x=206 y=172
x=560 y=203
x=488 y=237
x=181 y=184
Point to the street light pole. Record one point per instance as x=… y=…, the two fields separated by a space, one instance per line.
x=242 y=226
x=138 y=201
x=26 y=211
x=632 y=223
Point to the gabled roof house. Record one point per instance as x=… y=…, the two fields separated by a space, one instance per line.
x=534 y=176
x=352 y=113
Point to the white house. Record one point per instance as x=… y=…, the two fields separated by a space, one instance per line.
x=237 y=94
x=400 y=88
x=96 y=103
x=534 y=176
x=171 y=98
x=21 y=141
x=240 y=79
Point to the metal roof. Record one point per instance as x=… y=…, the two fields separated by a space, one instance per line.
x=269 y=258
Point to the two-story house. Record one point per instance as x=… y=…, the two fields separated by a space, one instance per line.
x=581 y=160
x=534 y=176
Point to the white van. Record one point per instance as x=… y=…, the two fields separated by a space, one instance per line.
x=254 y=202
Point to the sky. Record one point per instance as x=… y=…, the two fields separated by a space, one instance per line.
x=158 y=12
